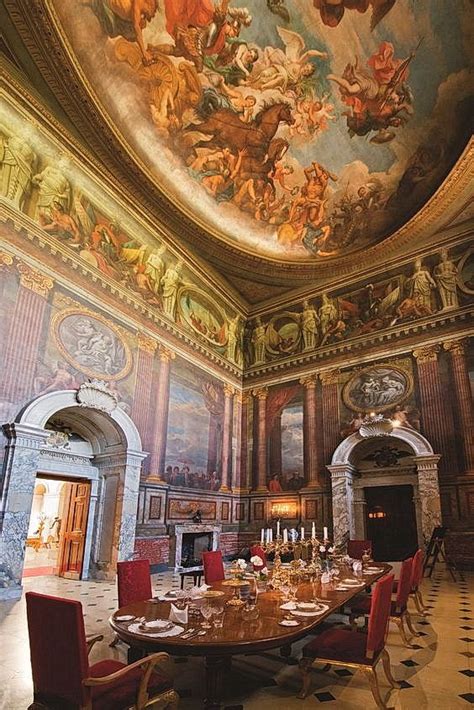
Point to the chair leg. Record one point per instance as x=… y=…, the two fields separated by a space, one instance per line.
x=419 y=608
x=399 y=622
x=115 y=641
x=305 y=669
x=411 y=628
x=374 y=687
x=388 y=670
x=420 y=598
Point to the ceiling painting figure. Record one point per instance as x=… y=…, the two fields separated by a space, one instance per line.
x=299 y=131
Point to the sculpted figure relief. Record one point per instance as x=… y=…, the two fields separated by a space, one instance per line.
x=446 y=273
x=18 y=162
x=259 y=342
x=309 y=326
x=170 y=283
x=234 y=334
x=53 y=189
x=422 y=284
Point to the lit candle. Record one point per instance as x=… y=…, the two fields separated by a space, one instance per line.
x=313 y=531
x=271 y=535
x=267 y=536
x=285 y=535
x=325 y=533
x=302 y=532
x=262 y=535
x=278 y=528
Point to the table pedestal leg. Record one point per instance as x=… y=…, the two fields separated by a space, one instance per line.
x=216 y=666
x=135 y=654
x=285 y=652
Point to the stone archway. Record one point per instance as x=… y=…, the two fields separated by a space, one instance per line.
x=115 y=475
x=343 y=472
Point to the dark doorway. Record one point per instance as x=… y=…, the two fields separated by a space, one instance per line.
x=391 y=522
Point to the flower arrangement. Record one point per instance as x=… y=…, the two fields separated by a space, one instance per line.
x=259 y=568
x=238 y=568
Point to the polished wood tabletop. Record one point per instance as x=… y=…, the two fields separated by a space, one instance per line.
x=239 y=633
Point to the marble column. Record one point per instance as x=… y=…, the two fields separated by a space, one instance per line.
x=275 y=446
x=158 y=451
x=239 y=473
x=464 y=410
x=330 y=411
x=24 y=336
x=429 y=496
x=226 y=456
x=436 y=413
x=342 y=502
x=359 y=507
x=262 y=395
x=212 y=442
x=19 y=475
x=310 y=432
x=141 y=409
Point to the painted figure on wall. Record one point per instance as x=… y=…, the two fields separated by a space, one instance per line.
x=126 y=18
x=170 y=284
x=18 y=161
x=309 y=326
x=422 y=285
x=259 y=341
x=53 y=189
x=446 y=273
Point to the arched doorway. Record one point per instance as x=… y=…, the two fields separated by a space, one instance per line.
x=111 y=465
x=350 y=482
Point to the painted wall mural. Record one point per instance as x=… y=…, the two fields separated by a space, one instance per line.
x=435 y=284
x=297 y=130
x=42 y=181
x=377 y=388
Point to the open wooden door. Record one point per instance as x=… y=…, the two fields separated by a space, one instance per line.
x=73 y=533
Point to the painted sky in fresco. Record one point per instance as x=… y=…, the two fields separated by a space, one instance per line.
x=383 y=112
x=292 y=440
x=188 y=427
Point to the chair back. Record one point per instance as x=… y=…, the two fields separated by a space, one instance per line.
x=257 y=551
x=356 y=548
x=133 y=582
x=404 y=584
x=213 y=566
x=58 y=649
x=379 y=615
x=417 y=570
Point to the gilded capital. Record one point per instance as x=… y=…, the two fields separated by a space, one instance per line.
x=146 y=343
x=242 y=397
x=5 y=259
x=456 y=347
x=309 y=382
x=34 y=280
x=260 y=393
x=329 y=377
x=165 y=354
x=427 y=353
x=229 y=391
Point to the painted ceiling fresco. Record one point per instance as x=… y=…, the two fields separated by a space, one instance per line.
x=299 y=130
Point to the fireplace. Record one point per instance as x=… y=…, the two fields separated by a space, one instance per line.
x=190 y=541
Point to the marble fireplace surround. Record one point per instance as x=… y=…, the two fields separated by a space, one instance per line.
x=347 y=501
x=182 y=529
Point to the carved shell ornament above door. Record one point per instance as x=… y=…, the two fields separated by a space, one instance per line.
x=96 y=395
x=377 y=388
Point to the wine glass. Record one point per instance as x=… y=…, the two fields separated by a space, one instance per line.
x=218 y=612
x=207 y=611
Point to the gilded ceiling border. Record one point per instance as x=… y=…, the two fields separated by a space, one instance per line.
x=40 y=30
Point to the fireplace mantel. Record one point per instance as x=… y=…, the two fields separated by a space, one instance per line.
x=183 y=528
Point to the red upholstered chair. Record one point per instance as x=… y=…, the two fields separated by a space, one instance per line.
x=398 y=608
x=62 y=676
x=416 y=577
x=347 y=647
x=134 y=585
x=213 y=566
x=356 y=548
x=257 y=551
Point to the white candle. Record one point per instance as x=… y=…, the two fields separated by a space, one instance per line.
x=262 y=535
x=285 y=535
x=325 y=533
x=302 y=532
x=267 y=536
x=313 y=531
x=278 y=528
x=271 y=534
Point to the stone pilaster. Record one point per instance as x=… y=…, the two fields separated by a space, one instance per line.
x=261 y=396
x=226 y=437
x=330 y=411
x=26 y=327
x=464 y=409
x=158 y=452
x=342 y=502
x=436 y=415
x=428 y=491
x=310 y=432
x=239 y=474
x=141 y=409
x=275 y=446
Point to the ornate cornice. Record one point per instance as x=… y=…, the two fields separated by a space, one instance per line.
x=34 y=280
x=426 y=353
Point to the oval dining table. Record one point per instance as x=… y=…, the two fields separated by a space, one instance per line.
x=238 y=634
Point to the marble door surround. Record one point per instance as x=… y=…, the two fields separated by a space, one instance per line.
x=347 y=486
x=113 y=467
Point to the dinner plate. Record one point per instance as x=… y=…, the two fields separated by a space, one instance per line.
x=289 y=622
x=373 y=569
x=156 y=633
x=288 y=606
x=126 y=617
x=212 y=593
x=307 y=606
x=352 y=583
x=316 y=612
